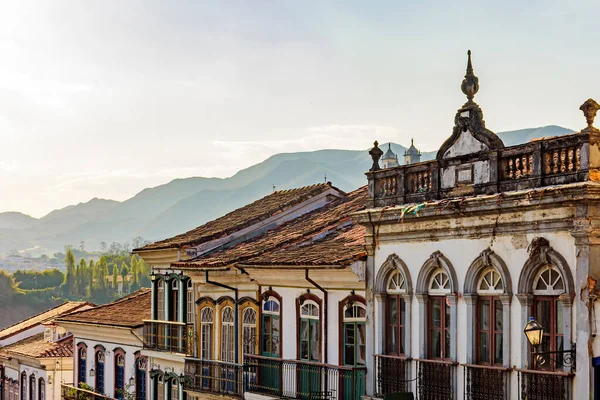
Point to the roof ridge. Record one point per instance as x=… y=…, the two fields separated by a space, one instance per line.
x=130 y=296
x=39 y=314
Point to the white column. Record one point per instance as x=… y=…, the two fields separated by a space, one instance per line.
x=423 y=299
x=471 y=333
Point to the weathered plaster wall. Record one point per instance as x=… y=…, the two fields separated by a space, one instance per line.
x=465 y=144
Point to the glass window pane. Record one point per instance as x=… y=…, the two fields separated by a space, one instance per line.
x=361 y=341
x=275 y=335
x=436 y=348
x=349 y=344
x=315 y=347
x=392 y=340
x=436 y=314
x=361 y=312
x=447 y=344
x=402 y=312
x=484 y=314
x=498 y=345
x=543 y=313
x=393 y=310
x=401 y=340
x=484 y=347
x=499 y=316
x=447 y=321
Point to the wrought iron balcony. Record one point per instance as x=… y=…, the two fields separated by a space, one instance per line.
x=392 y=374
x=303 y=380
x=486 y=382
x=546 y=385
x=559 y=160
x=207 y=376
x=72 y=393
x=436 y=379
x=174 y=337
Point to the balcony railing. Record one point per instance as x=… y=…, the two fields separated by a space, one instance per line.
x=553 y=161
x=174 y=337
x=207 y=376
x=72 y=393
x=392 y=374
x=436 y=379
x=303 y=380
x=486 y=382
x=544 y=385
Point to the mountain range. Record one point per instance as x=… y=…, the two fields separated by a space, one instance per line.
x=182 y=204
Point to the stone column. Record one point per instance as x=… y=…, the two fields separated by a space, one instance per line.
x=506 y=300
x=453 y=325
x=407 y=324
x=567 y=303
x=371 y=319
x=423 y=300
x=471 y=300
x=526 y=300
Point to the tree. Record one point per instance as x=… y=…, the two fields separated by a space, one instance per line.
x=7 y=288
x=70 y=277
x=80 y=278
x=115 y=278
x=82 y=246
x=124 y=273
x=133 y=265
x=103 y=247
x=137 y=242
x=91 y=272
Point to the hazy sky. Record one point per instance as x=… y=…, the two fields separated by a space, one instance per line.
x=105 y=98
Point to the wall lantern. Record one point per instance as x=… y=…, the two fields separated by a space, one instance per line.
x=131 y=381
x=153 y=276
x=534 y=332
x=92 y=372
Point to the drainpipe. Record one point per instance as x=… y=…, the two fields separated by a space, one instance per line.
x=325 y=310
x=236 y=323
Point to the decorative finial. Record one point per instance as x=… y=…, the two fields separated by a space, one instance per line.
x=470 y=85
x=389 y=145
x=375 y=154
x=589 y=108
x=412 y=141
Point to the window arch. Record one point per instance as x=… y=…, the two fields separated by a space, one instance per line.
x=206 y=332
x=119 y=373
x=41 y=389
x=81 y=363
x=99 y=362
x=271 y=324
x=141 y=368
x=249 y=321
x=174 y=383
x=548 y=281
x=32 y=387
x=160 y=303
x=309 y=327
x=490 y=318
x=353 y=320
x=23 y=385
x=190 y=302
x=227 y=334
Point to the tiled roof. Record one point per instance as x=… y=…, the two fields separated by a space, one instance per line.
x=326 y=236
x=129 y=311
x=61 y=309
x=243 y=217
x=35 y=346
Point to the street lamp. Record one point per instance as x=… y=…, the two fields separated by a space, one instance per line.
x=534 y=332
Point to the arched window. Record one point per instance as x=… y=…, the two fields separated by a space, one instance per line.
x=271 y=327
x=395 y=314
x=206 y=333
x=160 y=387
x=190 y=302
x=227 y=334
x=354 y=318
x=42 y=389
x=81 y=363
x=161 y=300
x=439 y=315
x=310 y=331
x=548 y=285
x=174 y=389
x=174 y=303
x=141 y=367
x=249 y=331
x=32 y=387
x=99 y=360
x=490 y=318
x=23 y=386
x=119 y=373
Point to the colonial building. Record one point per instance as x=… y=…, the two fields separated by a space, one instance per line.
x=36 y=355
x=107 y=342
x=411 y=155
x=465 y=249
x=277 y=286
x=390 y=159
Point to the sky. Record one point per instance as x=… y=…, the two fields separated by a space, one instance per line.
x=105 y=98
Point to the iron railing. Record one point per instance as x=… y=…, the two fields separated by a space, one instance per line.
x=392 y=374
x=174 y=337
x=544 y=385
x=217 y=377
x=303 y=380
x=484 y=382
x=436 y=379
x=72 y=393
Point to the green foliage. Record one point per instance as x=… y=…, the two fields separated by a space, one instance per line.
x=38 y=280
x=70 y=277
x=7 y=288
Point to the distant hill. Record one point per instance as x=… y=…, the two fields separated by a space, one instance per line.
x=182 y=204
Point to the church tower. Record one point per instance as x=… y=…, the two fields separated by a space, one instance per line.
x=412 y=155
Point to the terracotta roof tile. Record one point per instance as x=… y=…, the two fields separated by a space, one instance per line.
x=129 y=311
x=328 y=234
x=242 y=217
x=35 y=346
x=42 y=317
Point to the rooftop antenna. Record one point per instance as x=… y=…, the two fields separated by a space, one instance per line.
x=273 y=188
x=325 y=178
